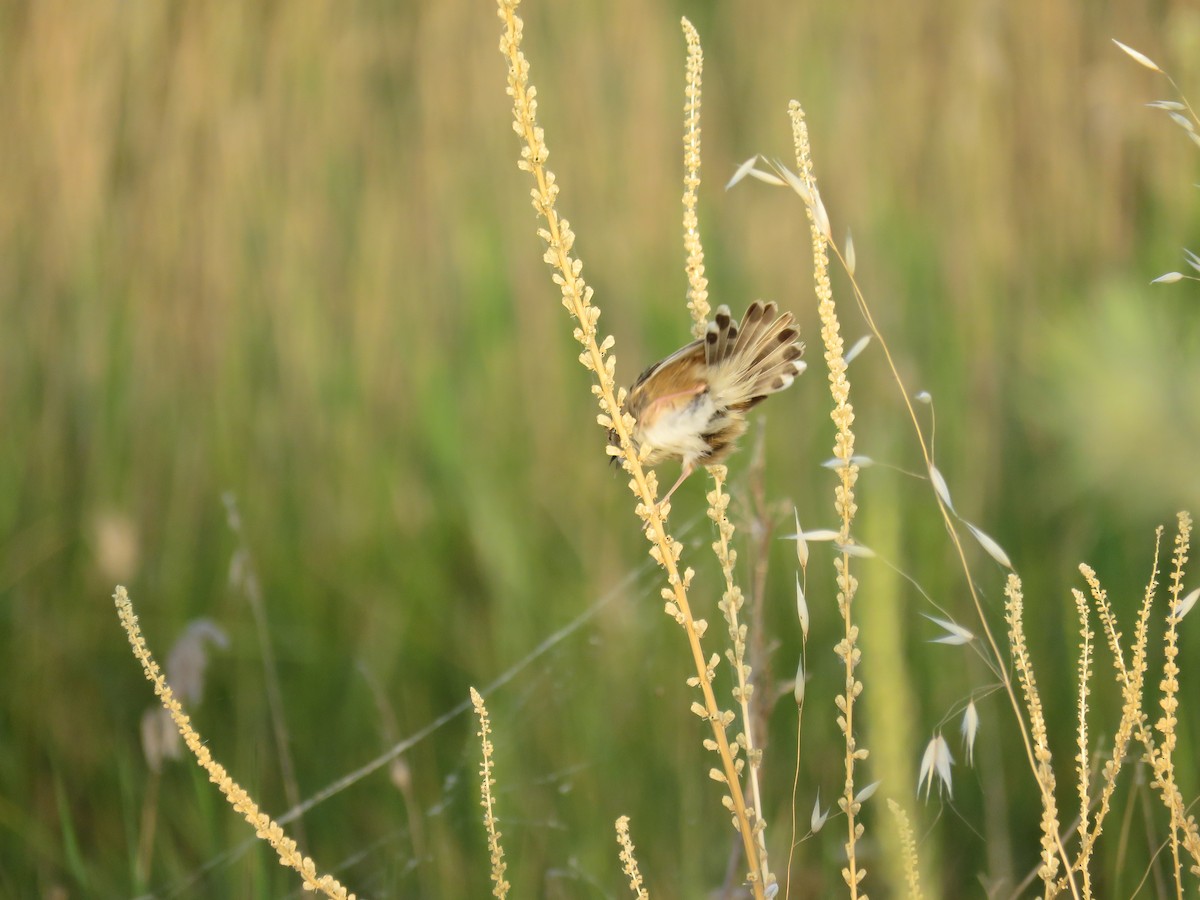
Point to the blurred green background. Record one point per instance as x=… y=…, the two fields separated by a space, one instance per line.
x=282 y=250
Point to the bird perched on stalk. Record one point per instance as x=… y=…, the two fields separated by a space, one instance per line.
x=692 y=405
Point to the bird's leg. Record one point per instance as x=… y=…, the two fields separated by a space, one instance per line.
x=687 y=470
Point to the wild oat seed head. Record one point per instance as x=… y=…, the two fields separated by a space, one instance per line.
x=940 y=486
x=955 y=634
x=1184 y=606
x=801 y=610
x=742 y=171
x=935 y=763
x=970 y=729
x=866 y=793
x=993 y=549
x=1140 y=58
x=859 y=346
x=817 y=820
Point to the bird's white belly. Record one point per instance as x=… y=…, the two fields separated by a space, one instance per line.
x=680 y=432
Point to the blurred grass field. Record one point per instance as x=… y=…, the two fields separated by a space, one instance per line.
x=284 y=251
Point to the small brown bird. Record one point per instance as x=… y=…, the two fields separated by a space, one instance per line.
x=692 y=405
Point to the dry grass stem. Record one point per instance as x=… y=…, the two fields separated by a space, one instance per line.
x=264 y=827
x=1052 y=849
x=1162 y=758
x=1130 y=683
x=500 y=885
x=1158 y=741
x=805 y=186
x=1131 y=714
x=730 y=605
x=595 y=357
x=1082 y=760
x=798 y=688
x=844 y=503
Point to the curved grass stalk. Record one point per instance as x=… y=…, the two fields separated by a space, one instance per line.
x=595 y=356
x=265 y=827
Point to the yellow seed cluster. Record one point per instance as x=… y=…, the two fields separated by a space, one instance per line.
x=730 y=605
x=1157 y=740
x=1014 y=608
x=1184 y=830
x=629 y=863
x=697 y=283
x=264 y=826
x=1082 y=761
x=1131 y=692
x=500 y=885
x=908 y=846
